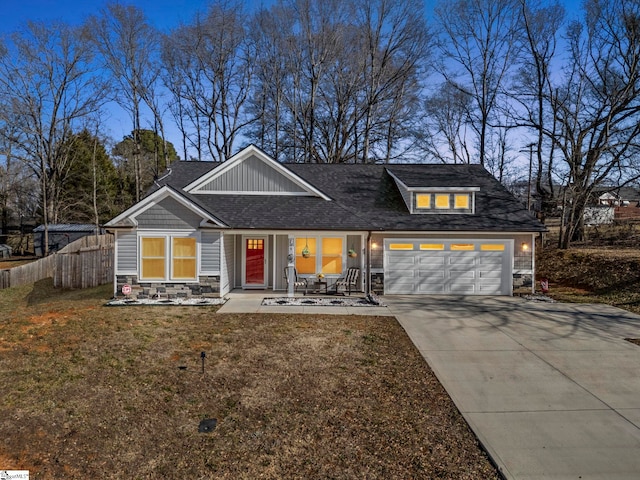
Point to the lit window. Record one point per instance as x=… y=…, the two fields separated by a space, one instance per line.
x=331 y=256
x=442 y=200
x=184 y=258
x=492 y=247
x=401 y=246
x=423 y=200
x=306 y=255
x=255 y=244
x=463 y=246
x=431 y=246
x=152 y=258
x=461 y=200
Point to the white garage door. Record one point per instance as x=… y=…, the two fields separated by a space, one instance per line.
x=460 y=267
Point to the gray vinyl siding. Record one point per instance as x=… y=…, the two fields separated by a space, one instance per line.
x=281 y=251
x=210 y=253
x=237 y=265
x=127 y=248
x=406 y=195
x=252 y=175
x=168 y=214
x=354 y=242
x=227 y=272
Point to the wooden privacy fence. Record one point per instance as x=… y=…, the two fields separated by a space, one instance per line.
x=85 y=263
x=86 y=268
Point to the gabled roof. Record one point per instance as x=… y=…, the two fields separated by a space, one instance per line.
x=261 y=175
x=352 y=197
x=127 y=219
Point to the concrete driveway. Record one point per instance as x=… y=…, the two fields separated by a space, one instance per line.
x=552 y=390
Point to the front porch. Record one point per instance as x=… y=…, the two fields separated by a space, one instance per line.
x=321 y=260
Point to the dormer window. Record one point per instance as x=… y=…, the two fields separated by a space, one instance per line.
x=461 y=201
x=422 y=198
x=443 y=202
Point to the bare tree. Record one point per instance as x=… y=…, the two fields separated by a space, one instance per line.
x=444 y=131
x=394 y=49
x=533 y=84
x=212 y=61
x=181 y=77
x=128 y=45
x=479 y=48
x=48 y=83
x=597 y=105
x=338 y=80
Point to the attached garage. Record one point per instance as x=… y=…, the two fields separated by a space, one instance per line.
x=448 y=267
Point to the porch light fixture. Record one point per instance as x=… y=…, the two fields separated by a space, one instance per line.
x=525 y=247
x=374 y=246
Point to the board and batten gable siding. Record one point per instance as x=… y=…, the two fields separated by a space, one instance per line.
x=168 y=214
x=126 y=252
x=252 y=175
x=210 y=253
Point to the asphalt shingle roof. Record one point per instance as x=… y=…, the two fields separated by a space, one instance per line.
x=363 y=197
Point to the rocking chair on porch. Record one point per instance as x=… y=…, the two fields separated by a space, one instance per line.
x=297 y=281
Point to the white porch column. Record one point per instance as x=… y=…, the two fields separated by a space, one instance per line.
x=291 y=257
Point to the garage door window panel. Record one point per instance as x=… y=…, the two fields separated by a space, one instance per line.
x=432 y=246
x=457 y=247
x=401 y=246
x=492 y=247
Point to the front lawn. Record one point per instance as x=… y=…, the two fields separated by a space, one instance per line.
x=90 y=391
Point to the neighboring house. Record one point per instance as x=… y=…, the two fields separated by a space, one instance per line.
x=5 y=251
x=60 y=235
x=209 y=228
x=609 y=204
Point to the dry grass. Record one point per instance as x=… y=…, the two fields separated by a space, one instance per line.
x=96 y=392
x=15 y=262
x=594 y=275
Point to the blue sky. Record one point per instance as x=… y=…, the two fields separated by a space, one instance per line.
x=163 y=14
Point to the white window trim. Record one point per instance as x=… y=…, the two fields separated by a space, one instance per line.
x=318 y=255
x=451 y=209
x=168 y=266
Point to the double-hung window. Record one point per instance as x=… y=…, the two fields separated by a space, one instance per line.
x=168 y=258
x=319 y=255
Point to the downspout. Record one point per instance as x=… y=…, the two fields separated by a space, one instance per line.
x=533 y=262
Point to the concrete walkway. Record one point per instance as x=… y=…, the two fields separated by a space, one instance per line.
x=251 y=302
x=551 y=390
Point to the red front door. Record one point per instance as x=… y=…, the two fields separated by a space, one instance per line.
x=254 y=270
